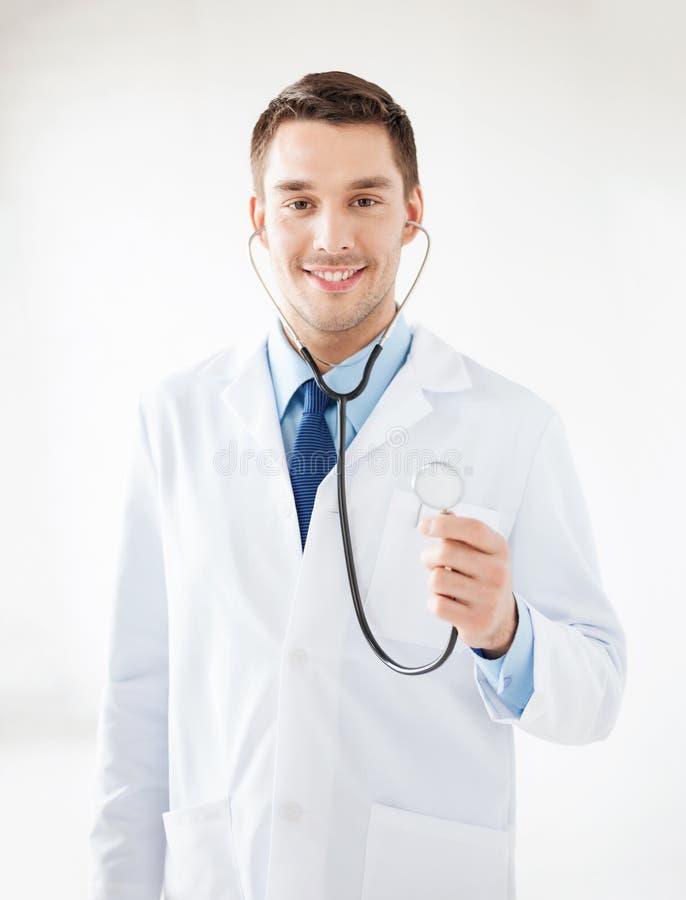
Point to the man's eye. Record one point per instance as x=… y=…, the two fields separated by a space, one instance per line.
x=366 y=200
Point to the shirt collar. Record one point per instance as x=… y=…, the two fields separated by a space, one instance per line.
x=289 y=370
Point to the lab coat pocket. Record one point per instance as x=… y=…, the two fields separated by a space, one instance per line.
x=410 y=855
x=200 y=862
x=397 y=600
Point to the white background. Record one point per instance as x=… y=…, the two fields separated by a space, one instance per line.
x=551 y=149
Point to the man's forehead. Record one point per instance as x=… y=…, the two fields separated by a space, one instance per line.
x=307 y=155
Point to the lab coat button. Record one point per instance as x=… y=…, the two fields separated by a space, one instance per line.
x=292 y=810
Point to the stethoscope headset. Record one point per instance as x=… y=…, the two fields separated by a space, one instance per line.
x=342 y=399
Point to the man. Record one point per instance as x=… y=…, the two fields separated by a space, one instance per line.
x=250 y=744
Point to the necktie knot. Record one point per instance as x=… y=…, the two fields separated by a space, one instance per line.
x=316 y=400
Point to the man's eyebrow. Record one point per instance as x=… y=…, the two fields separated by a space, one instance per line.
x=360 y=184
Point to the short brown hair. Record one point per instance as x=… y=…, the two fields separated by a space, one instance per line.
x=339 y=98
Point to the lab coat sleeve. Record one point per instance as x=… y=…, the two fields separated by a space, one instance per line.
x=512 y=675
x=127 y=843
x=579 y=645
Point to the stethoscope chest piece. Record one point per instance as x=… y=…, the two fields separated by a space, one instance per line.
x=438 y=485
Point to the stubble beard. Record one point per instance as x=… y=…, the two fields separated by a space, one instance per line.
x=345 y=315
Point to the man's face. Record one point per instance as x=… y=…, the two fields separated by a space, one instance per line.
x=322 y=211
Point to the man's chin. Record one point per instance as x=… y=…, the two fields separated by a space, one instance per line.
x=329 y=315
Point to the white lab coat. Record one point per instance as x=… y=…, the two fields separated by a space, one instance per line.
x=250 y=744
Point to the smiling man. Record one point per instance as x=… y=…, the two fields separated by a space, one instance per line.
x=334 y=236
x=250 y=744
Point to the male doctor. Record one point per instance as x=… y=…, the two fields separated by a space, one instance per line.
x=250 y=744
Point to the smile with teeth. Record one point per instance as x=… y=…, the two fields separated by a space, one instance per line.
x=333 y=276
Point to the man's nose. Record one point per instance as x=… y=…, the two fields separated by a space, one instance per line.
x=333 y=232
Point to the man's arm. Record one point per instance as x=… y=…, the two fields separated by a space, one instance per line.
x=579 y=646
x=127 y=840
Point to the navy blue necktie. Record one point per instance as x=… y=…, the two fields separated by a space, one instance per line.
x=313 y=454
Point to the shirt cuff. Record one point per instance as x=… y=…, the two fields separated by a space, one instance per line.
x=512 y=675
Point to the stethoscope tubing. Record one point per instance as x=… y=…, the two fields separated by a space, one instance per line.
x=342 y=399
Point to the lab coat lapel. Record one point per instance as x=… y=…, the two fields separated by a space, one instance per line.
x=250 y=395
x=431 y=365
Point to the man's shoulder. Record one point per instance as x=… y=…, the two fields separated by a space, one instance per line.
x=487 y=385
x=207 y=374
x=491 y=382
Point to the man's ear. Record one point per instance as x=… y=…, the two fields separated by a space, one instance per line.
x=415 y=211
x=257 y=216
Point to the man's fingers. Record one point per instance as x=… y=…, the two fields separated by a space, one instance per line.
x=455 y=555
x=461 y=528
x=455 y=585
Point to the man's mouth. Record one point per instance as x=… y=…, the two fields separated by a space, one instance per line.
x=333 y=280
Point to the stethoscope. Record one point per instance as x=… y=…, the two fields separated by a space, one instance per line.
x=437 y=484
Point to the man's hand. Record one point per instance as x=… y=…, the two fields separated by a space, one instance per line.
x=476 y=597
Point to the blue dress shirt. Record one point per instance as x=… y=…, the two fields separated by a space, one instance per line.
x=511 y=675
